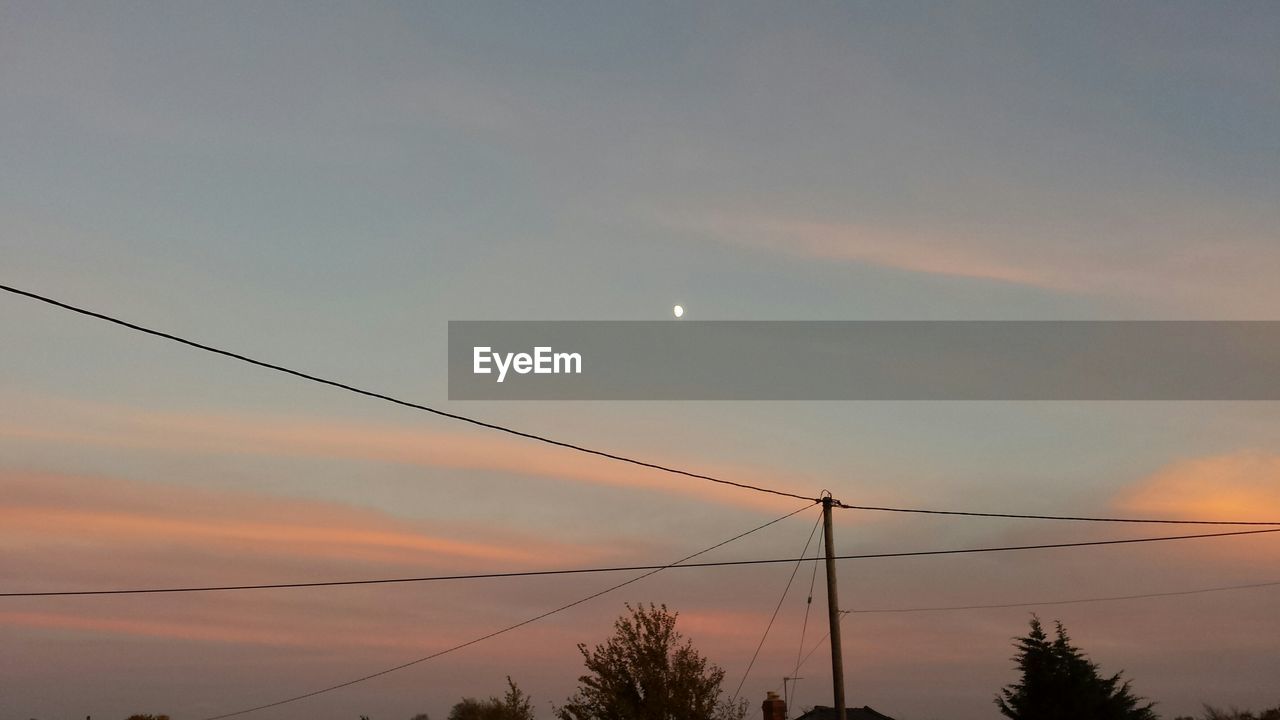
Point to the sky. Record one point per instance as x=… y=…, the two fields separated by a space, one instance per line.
x=325 y=185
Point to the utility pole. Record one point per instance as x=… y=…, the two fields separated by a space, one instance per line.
x=833 y=610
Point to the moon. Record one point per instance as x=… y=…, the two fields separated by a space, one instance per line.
x=678 y=311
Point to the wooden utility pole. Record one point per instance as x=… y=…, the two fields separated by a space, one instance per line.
x=833 y=610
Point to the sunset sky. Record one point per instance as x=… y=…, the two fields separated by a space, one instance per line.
x=324 y=186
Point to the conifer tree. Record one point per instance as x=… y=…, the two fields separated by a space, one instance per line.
x=1059 y=683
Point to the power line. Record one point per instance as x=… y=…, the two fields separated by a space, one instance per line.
x=1077 y=518
x=818 y=644
x=808 y=605
x=507 y=629
x=398 y=401
x=626 y=568
x=774 y=616
x=580 y=448
x=1076 y=601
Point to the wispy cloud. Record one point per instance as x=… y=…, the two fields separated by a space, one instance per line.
x=426 y=447
x=92 y=532
x=106 y=517
x=88 y=532
x=1211 y=259
x=874 y=245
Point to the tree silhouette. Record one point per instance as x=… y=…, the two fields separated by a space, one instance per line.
x=1059 y=683
x=514 y=705
x=644 y=672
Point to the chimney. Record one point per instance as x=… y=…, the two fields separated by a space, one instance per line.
x=775 y=708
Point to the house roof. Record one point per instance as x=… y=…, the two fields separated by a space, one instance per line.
x=826 y=713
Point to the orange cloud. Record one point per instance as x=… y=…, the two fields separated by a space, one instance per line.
x=462 y=450
x=737 y=624
x=81 y=532
x=297 y=538
x=1243 y=486
x=280 y=625
x=114 y=515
